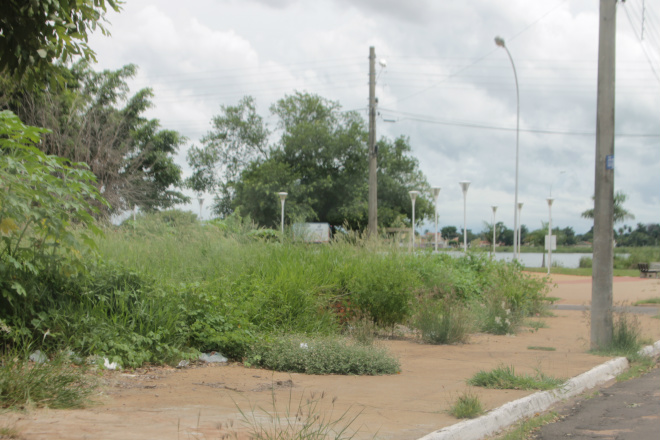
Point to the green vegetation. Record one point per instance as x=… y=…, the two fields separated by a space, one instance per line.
x=585 y=272
x=466 y=406
x=541 y=348
x=57 y=383
x=443 y=322
x=626 y=337
x=648 y=301
x=169 y=287
x=505 y=378
x=301 y=420
x=315 y=355
x=638 y=367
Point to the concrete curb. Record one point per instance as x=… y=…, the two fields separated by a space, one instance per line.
x=512 y=412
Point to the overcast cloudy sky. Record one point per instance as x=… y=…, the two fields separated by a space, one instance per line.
x=446 y=86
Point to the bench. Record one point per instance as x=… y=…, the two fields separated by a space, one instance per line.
x=648 y=269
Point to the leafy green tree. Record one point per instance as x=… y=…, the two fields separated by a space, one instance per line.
x=238 y=138
x=320 y=160
x=449 y=232
x=92 y=119
x=619 y=212
x=41 y=197
x=35 y=33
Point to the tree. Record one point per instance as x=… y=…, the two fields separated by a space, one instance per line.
x=92 y=119
x=238 y=138
x=35 y=33
x=619 y=213
x=449 y=232
x=320 y=160
x=487 y=233
x=40 y=198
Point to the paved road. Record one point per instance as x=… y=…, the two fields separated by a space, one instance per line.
x=624 y=411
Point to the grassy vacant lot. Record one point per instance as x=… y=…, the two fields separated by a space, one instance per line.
x=165 y=288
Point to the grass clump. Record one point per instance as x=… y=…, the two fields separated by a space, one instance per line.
x=626 y=338
x=541 y=348
x=322 y=355
x=443 y=322
x=301 y=420
x=639 y=367
x=55 y=384
x=505 y=378
x=648 y=301
x=466 y=406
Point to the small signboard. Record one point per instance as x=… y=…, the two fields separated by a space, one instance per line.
x=551 y=240
x=609 y=162
x=312 y=232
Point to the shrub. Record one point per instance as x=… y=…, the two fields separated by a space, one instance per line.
x=442 y=322
x=329 y=355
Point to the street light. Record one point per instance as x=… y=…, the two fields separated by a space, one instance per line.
x=200 y=199
x=465 y=184
x=520 y=205
x=436 y=192
x=494 y=227
x=413 y=196
x=500 y=42
x=282 y=198
x=549 y=239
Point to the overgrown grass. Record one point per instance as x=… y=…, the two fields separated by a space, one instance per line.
x=626 y=337
x=443 y=322
x=467 y=406
x=541 y=348
x=648 y=301
x=322 y=355
x=166 y=288
x=505 y=378
x=299 y=420
x=57 y=383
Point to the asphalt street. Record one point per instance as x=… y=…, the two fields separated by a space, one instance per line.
x=627 y=410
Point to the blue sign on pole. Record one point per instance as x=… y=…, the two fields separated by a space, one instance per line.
x=609 y=162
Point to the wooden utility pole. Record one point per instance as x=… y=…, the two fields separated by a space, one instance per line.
x=601 y=291
x=372 y=229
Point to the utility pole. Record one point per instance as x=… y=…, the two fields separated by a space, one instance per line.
x=372 y=229
x=601 y=291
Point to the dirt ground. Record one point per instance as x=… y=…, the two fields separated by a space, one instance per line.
x=202 y=402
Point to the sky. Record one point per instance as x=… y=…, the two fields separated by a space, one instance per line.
x=441 y=81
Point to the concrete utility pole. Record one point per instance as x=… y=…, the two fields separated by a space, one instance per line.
x=601 y=293
x=372 y=229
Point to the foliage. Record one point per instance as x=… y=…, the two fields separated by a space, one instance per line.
x=41 y=199
x=467 y=406
x=505 y=378
x=526 y=428
x=442 y=322
x=320 y=160
x=316 y=355
x=304 y=421
x=626 y=337
x=93 y=119
x=36 y=33
x=57 y=383
x=619 y=213
x=238 y=138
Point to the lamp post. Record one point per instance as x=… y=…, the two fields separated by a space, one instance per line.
x=436 y=192
x=282 y=198
x=413 y=196
x=494 y=227
x=549 y=239
x=465 y=184
x=499 y=41
x=520 y=205
x=200 y=199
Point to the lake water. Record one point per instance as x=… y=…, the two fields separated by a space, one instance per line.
x=535 y=259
